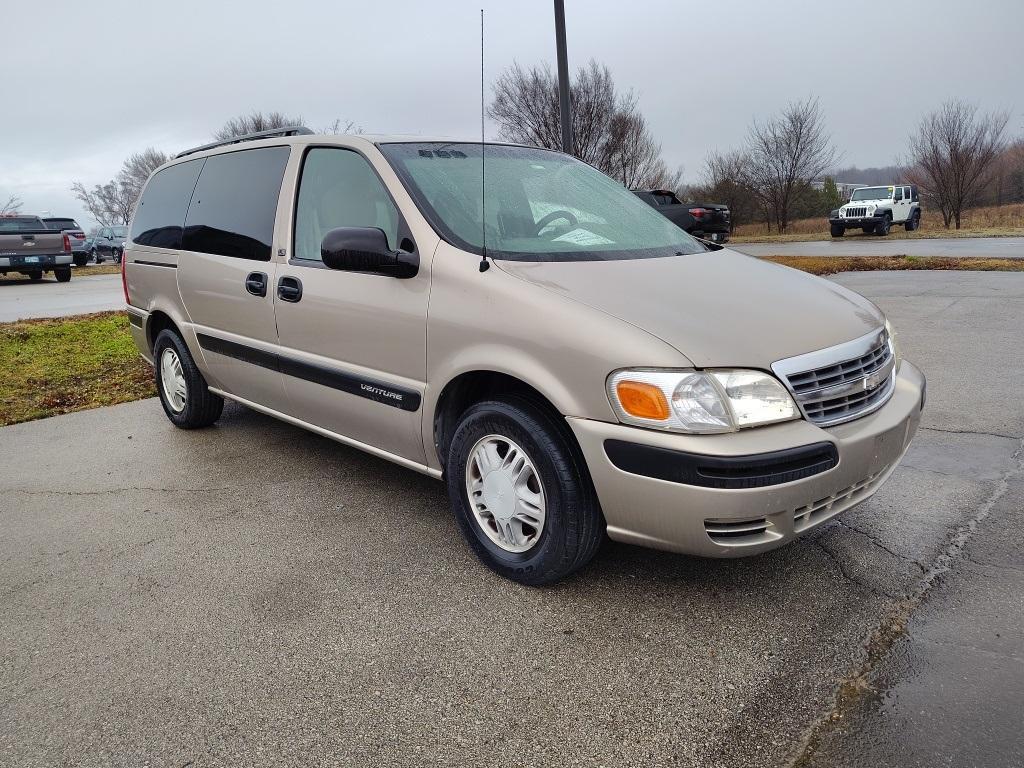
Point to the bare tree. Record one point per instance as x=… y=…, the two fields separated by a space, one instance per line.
x=609 y=131
x=114 y=202
x=108 y=204
x=725 y=181
x=952 y=153
x=253 y=122
x=786 y=153
x=11 y=205
x=343 y=126
x=137 y=169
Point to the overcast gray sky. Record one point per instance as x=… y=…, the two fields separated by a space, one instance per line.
x=90 y=81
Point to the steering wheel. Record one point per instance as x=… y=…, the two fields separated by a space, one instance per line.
x=554 y=216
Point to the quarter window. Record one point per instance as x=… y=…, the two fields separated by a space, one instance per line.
x=338 y=188
x=160 y=214
x=235 y=203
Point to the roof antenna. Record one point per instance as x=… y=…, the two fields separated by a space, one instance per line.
x=484 y=264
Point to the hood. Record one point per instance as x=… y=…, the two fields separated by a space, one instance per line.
x=719 y=309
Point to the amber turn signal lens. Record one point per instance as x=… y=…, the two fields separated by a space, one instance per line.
x=645 y=401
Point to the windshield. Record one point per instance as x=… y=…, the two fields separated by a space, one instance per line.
x=540 y=205
x=872 y=193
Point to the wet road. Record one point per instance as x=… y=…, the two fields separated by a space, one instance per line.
x=21 y=299
x=253 y=594
x=987 y=247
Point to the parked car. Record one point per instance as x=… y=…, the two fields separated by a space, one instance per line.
x=876 y=209
x=31 y=248
x=707 y=221
x=79 y=252
x=109 y=241
x=571 y=365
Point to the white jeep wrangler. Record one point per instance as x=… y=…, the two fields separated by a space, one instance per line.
x=876 y=209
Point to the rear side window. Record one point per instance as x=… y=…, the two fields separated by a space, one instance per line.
x=235 y=203
x=160 y=214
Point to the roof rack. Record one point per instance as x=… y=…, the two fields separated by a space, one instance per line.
x=290 y=130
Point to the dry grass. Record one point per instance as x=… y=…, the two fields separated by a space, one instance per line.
x=994 y=221
x=69 y=364
x=830 y=265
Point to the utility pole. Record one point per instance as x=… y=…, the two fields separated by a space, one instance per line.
x=564 y=107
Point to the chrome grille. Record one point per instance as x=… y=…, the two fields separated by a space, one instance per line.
x=843 y=382
x=855 y=213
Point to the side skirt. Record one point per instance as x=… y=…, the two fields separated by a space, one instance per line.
x=408 y=464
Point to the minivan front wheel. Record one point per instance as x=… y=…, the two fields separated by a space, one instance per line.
x=520 y=492
x=186 y=399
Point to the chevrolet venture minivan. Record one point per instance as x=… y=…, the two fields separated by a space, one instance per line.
x=566 y=359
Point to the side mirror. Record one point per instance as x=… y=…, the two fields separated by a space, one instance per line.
x=365 y=249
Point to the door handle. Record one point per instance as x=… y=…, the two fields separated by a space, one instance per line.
x=256 y=283
x=289 y=289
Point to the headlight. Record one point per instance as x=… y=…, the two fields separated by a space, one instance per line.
x=893 y=343
x=699 y=402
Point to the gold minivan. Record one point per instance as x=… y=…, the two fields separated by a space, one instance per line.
x=512 y=321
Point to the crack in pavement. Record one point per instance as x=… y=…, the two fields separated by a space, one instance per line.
x=893 y=623
x=878 y=543
x=840 y=565
x=108 y=491
x=972 y=432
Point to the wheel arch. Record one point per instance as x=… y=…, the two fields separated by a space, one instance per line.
x=159 y=321
x=474 y=386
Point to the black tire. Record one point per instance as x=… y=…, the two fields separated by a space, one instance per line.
x=63 y=274
x=202 y=407
x=35 y=277
x=80 y=259
x=574 y=526
x=96 y=256
x=116 y=254
x=913 y=222
x=882 y=228
x=837 y=231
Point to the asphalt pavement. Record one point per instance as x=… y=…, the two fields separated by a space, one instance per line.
x=253 y=594
x=871 y=245
x=20 y=299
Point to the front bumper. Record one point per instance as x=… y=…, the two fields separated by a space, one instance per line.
x=43 y=261
x=861 y=222
x=733 y=522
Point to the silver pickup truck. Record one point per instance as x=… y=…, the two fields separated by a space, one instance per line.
x=28 y=246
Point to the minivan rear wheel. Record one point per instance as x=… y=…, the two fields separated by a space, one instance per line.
x=184 y=394
x=520 y=492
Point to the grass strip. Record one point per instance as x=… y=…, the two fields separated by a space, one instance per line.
x=59 y=365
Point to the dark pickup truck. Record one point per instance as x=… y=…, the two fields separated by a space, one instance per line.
x=28 y=246
x=708 y=221
x=79 y=253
